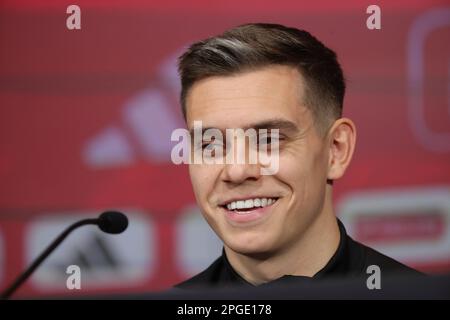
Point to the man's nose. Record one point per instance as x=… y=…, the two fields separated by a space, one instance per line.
x=242 y=163
x=238 y=173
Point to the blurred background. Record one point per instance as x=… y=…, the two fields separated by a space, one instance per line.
x=86 y=117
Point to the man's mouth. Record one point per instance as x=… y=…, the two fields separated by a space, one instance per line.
x=246 y=206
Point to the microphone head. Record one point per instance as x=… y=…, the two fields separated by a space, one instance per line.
x=112 y=222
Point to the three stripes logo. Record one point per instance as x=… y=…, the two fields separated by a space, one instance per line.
x=145 y=127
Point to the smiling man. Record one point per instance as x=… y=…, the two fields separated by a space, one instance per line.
x=278 y=227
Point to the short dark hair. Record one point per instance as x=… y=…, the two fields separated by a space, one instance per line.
x=257 y=45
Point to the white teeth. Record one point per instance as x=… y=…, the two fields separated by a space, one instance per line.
x=250 y=203
x=240 y=204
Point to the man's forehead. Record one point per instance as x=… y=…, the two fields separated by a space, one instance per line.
x=266 y=98
x=273 y=82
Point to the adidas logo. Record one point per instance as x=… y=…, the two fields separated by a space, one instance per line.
x=144 y=130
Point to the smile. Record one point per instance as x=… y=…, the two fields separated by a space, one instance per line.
x=249 y=204
x=251 y=210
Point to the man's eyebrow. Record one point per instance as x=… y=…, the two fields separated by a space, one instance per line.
x=281 y=124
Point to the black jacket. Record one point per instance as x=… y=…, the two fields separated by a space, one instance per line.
x=351 y=259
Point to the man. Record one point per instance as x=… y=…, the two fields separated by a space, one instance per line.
x=278 y=227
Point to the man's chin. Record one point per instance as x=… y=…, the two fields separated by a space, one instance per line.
x=258 y=249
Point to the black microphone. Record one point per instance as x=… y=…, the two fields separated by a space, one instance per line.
x=110 y=222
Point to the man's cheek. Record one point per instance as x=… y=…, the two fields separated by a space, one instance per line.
x=290 y=169
x=197 y=184
x=197 y=173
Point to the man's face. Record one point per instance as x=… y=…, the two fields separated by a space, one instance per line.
x=295 y=194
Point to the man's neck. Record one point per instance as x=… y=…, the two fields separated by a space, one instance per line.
x=306 y=257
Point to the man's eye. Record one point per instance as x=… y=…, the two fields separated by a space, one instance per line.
x=211 y=145
x=269 y=139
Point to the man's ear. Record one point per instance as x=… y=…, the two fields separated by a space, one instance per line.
x=342 y=139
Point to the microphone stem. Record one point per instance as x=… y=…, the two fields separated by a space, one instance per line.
x=24 y=276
